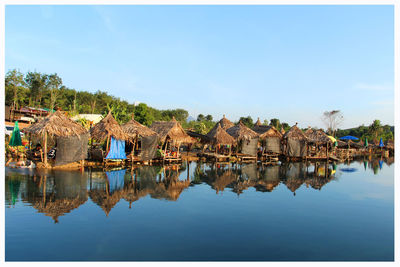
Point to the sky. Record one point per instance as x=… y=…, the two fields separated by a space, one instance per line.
x=286 y=62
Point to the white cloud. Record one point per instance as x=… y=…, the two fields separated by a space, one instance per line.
x=374 y=87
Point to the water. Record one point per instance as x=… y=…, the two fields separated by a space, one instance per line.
x=203 y=212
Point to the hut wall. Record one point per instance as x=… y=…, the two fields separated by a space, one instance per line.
x=149 y=147
x=296 y=148
x=250 y=147
x=71 y=149
x=273 y=144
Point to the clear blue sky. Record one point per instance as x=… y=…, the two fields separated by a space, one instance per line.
x=286 y=62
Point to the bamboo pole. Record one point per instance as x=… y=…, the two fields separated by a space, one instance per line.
x=45 y=148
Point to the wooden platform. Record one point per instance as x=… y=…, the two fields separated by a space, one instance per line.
x=214 y=156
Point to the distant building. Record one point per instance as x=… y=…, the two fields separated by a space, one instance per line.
x=94 y=118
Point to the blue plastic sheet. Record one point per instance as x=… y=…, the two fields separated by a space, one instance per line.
x=117 y=149
x=116 y=180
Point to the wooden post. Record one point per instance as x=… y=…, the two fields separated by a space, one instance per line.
x=108 y=143
x=45 y=148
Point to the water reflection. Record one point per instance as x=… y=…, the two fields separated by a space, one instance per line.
x=57 y=193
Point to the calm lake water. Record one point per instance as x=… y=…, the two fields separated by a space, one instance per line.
x=291 y=212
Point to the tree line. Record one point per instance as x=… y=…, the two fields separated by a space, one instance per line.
x=43 y=90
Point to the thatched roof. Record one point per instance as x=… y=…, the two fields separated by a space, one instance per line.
x=295 y=133
x=241 y=132
x=218 y=136
x=133 y=128
x=56 y=124
x=104 y=200
x=58 y=207
x=107 y=126
x=171 y=129
x=258 y=122
x=266 y=131
x=282 y=131
x=317 y=136
x=224 y=123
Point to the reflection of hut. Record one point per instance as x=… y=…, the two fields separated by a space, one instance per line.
x=58 y=195
x=108 y=191
x=170 y=188
x=295 y=143
x=172 y=135
x=247 y=139
x=223 y=180
x=270 y=138
x=269 y=178
x=110 y=131
x=140 y=138
x=318 y=143
x=293 y=176
x=70 y=137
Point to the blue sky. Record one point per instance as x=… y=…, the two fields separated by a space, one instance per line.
x=286 y=62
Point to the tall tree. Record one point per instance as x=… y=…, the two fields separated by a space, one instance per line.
x=37 y=83
x=53 y=84
x=209 y=117
x=248 y=121
x=200 y=117
x=276 y=123
x=375 y=129
x=332 y=120
x=14 y=86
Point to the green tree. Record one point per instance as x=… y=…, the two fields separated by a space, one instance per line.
x=275 y=122
x=375 y=129
x=200 y=117
x=248 y=121
x=143 y=115
x=209 y=117
x=14 y=87
x=53 y=84
x=37 y=84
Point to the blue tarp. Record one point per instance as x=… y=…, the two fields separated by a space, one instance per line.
x=116 y=180
x=117 y=149
x=381 y=143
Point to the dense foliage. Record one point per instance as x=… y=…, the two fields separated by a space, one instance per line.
x=373 y=132
x=37 y=89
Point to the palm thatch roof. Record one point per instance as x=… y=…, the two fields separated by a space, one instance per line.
x=224 y=123
x=57 y=207
x=56 y=124
x=104 y=200
x=218 y=136
x=172 y=130
x=317 y=136
x=133 y=129
x=295 y=133
x=266 y=131
x=108 y=126
x=241 y=132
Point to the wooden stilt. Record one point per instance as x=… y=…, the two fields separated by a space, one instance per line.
x=45 y=149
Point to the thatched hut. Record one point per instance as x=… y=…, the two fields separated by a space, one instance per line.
x=246 y=138
x=172 y=135
x=224 y=123
x=109 y=130
x=140 y=137
x=295 y=143
x=219 y=137
x=270 y=138
x=318 y=143
x=58 y=126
